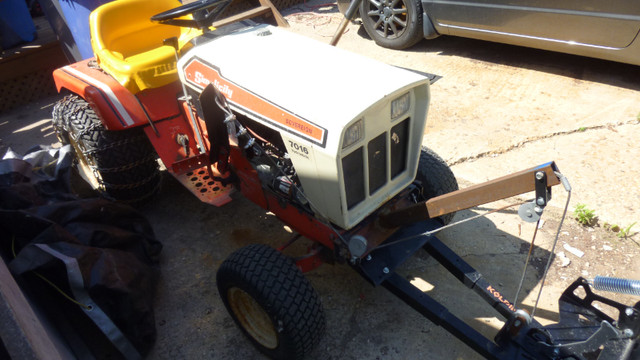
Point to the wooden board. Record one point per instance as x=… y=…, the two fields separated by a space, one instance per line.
x=22 y=332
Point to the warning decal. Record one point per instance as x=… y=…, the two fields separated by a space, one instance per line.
x=200 y=74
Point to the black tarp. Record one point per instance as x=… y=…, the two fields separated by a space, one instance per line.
x=90 y=264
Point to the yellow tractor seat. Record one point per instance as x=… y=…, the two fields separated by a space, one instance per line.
x=128 y=46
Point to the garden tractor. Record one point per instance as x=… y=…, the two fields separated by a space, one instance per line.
x=230 y=105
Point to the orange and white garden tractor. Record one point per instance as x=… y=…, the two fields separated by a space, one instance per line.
x=335 y=153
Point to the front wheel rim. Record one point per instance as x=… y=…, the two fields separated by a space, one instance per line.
x=389 y=17
x=252 y=317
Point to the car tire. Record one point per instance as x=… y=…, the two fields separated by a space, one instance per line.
x=121 y=165
x=394 y=24
x=271 y=301
x=436 y=178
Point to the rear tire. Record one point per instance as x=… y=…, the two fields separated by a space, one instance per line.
x=271 y=301
x=120 y=165
x=436 y=178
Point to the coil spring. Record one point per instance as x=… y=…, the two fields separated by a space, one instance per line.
x=617 y=285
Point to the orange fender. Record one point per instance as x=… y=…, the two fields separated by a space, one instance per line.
x=115 y=105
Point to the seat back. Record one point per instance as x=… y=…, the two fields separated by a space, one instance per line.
x=123 y=26
x=129 y=47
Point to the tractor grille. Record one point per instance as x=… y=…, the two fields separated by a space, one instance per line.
x=369 y=167
x=377 y=152
x=353 y=170
x=399 y=136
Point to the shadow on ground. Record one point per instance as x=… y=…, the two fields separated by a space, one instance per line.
x=361 y=319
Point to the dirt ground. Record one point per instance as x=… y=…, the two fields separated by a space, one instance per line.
x=495 y=109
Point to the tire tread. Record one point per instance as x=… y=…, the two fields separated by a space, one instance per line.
x=436 y=178
x=125 y=160
x=278 y=285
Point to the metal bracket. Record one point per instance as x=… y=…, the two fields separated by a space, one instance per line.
x=190 y=164
x=383 y=261
x=531 y=212
x=599 y=338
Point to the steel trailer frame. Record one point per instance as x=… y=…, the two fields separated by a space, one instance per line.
x=521 y=337
x=583 y=332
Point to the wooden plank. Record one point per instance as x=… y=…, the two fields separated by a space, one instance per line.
x=22 y=332
x=260 y=10
x=280 y=20
x=498 y=189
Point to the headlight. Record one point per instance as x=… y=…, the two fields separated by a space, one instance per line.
x=400 y=106
x=353 y=134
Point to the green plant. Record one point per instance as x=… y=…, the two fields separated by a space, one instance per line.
x=626 y=232
x=582 y=129
x=584 y=215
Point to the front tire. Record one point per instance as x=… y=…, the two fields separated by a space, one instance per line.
x=394 y=24
x=120 y=165
x=436 y=178
x=271 y=301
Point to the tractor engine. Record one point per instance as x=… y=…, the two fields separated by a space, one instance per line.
x=274 y=167
x=341 y=132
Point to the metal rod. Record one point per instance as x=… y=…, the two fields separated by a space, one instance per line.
x=437 y=230
x=469 y=276
x=553 y=248
x=526 y=263
x=441 y=316
x=348 y=16
x=153 y=126
x=173 y=42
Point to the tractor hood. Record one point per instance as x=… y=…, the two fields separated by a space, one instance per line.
x=352 y=126
x=297 y=83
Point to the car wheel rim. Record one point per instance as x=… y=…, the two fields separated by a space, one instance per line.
x=389 y=17
x=252 y=317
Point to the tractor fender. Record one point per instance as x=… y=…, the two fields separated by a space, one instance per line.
x=116 y=106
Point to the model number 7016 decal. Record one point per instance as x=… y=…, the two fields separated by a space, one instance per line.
x=298 y=149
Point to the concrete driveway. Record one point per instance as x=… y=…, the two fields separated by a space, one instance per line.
x=495 y=110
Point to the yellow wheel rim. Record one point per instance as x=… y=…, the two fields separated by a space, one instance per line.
x=252 y=317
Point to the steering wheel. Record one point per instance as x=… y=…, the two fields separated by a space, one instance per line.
x=201 y=18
